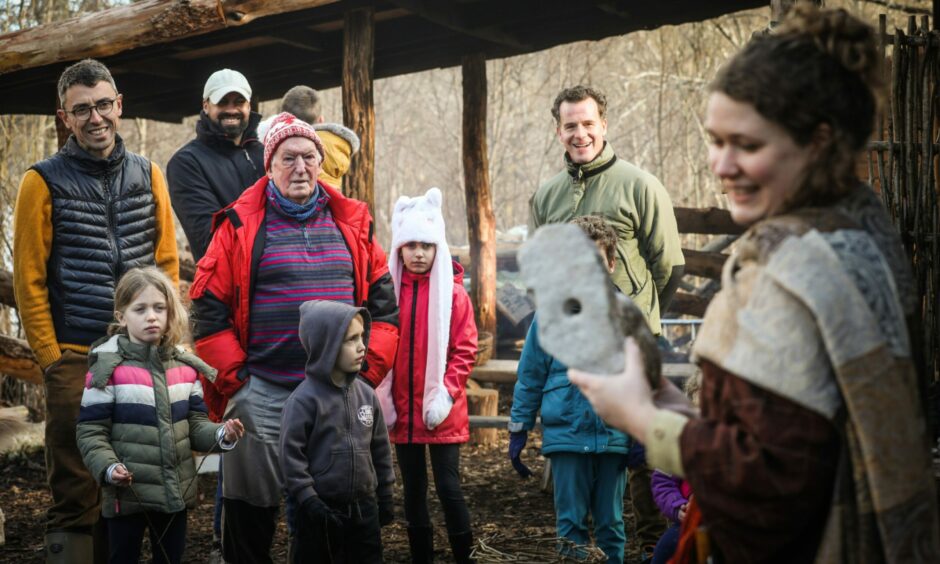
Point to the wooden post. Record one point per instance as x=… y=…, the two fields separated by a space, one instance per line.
x=358 y=108
x=482 y=401
x=481 y=223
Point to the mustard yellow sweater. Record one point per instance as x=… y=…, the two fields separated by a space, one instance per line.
x=32 y=244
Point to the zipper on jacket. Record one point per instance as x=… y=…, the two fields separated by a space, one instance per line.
x=251 y=162
x=578 y=193
x=352 y=444
x=411 y=364
x=109 y=220
x=154 y=360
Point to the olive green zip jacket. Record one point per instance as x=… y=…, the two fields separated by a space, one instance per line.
x=142 y=406
x=649 y=255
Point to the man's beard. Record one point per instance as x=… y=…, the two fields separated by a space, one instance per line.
x=234 y=130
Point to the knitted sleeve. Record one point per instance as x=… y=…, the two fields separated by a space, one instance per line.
x=32 y=244
x=165 y=251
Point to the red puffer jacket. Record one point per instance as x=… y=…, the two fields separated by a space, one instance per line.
x=222 y=289
x=408 y=384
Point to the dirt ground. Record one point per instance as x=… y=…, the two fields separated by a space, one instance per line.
x=513 y=519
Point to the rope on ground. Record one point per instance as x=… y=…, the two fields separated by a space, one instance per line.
x=495 y=547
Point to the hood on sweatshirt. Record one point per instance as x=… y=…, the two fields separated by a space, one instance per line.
x=323 y=326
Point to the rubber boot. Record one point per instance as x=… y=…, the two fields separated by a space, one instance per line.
x=421 y=542
x=462 y=545
x=66 y=547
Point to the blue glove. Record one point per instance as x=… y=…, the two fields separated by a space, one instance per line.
x=517 y=441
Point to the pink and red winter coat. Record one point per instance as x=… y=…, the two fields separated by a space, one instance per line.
x=409 y=370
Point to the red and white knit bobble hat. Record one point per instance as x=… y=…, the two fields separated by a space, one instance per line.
x=284 y=126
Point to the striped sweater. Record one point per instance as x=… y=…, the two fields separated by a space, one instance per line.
x=142 y=406
x=302 y=261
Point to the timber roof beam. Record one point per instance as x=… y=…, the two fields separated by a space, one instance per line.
x=454 y=18
x=162 y=51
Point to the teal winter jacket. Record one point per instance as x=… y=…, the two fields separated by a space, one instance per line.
x=569 y=423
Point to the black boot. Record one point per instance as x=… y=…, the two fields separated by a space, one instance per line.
x=462 y=545
x=421 y=542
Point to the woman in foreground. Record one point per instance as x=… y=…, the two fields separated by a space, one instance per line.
x=811 y=444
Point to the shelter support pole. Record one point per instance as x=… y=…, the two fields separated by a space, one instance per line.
x=358 y=106
x=481 y=223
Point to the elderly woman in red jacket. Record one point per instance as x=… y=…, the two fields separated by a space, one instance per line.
x=286 y=240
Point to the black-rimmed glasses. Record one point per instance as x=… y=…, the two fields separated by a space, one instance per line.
x=83 y=112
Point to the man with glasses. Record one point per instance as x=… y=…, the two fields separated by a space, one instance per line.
x=212 y=170
x=83 y=217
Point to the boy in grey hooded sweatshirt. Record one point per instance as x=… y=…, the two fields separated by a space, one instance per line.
x=335 y=454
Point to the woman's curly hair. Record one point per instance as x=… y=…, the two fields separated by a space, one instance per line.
x=818 y=67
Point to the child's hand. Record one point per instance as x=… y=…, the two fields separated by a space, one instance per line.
x=121 y=476
x=234 y=430
x=683 y=511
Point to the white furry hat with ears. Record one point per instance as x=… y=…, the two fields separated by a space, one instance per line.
x=420 y=219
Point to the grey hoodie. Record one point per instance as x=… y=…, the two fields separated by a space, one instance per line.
x=334 y=443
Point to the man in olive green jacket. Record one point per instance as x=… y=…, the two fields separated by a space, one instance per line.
x=649 y=257
x=596 y=182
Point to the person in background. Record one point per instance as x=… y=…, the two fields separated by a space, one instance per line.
x=211 y=171
x=339 y=142
x=588 y=458
x=672 y=493
x=648 y=263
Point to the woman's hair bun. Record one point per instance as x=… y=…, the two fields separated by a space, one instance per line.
x=839 y=34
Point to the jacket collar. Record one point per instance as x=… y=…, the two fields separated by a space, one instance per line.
x=211 y=133
x=108 y=352
x=604 y=160
x=408 y=277
x=141 y=351
x=91 y=164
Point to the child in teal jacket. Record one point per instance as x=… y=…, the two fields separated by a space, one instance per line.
x=588 y=458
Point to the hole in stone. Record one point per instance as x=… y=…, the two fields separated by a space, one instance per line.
x=571 y=307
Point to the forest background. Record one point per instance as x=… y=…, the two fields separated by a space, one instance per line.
x=656 y=83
